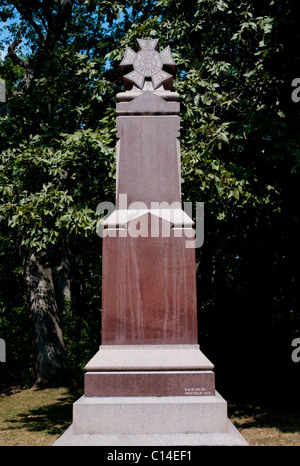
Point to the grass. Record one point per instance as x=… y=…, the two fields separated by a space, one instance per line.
x=38 y=417
x=35 y=417
x=268 y=424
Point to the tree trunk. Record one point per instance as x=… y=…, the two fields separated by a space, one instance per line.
x=51 y=362
x=63 y=281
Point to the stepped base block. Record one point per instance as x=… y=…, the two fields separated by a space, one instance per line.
x=149 y=383
x=230 y=438
x=149 y=415
x=151 y=421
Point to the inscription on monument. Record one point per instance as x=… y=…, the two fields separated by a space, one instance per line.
x=147 y=62
x=199 y=391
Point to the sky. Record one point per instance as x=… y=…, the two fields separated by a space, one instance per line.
x=4 y=33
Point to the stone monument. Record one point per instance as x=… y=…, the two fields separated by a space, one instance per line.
x=149 y=383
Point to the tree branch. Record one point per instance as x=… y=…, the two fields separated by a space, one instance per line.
x=5 y=13
x=56 y=25
x=14 y=56
x=47 y=10
x=27 y=15
x=62 y=16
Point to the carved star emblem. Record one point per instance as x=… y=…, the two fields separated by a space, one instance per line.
x=148 y=64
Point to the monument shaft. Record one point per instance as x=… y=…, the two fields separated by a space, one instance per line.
x=148 y=158
x=149 y=281
x=154 y=301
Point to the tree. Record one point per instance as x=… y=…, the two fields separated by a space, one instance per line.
x=51 y=145
x=51 y=358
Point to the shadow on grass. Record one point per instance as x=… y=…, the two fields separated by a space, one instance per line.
x=284 y=417
x=55 y=417
x=52 y=419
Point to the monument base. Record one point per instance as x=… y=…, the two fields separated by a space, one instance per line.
x=149 y=370
x=150 y=395
x=151 y=421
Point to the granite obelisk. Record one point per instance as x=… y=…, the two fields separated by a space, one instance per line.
x=149 y=382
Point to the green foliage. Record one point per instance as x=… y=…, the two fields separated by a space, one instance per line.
x=44 y=185
x=80 y=317
x=14 y=322
x=57 y=149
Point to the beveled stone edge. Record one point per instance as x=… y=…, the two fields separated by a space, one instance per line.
x=127 y=96
x=121 y=217
x=141 y=105
x=148 y=357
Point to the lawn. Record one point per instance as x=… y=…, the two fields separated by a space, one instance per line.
x=35 y=417
x=38 y=417
x=266 y=424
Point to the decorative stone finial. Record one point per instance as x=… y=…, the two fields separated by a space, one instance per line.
x=149 y=66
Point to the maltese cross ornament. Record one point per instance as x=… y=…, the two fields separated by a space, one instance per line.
x=149 y=64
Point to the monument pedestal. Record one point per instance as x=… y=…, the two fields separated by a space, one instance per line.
x=149 y=370
x=147 y=395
